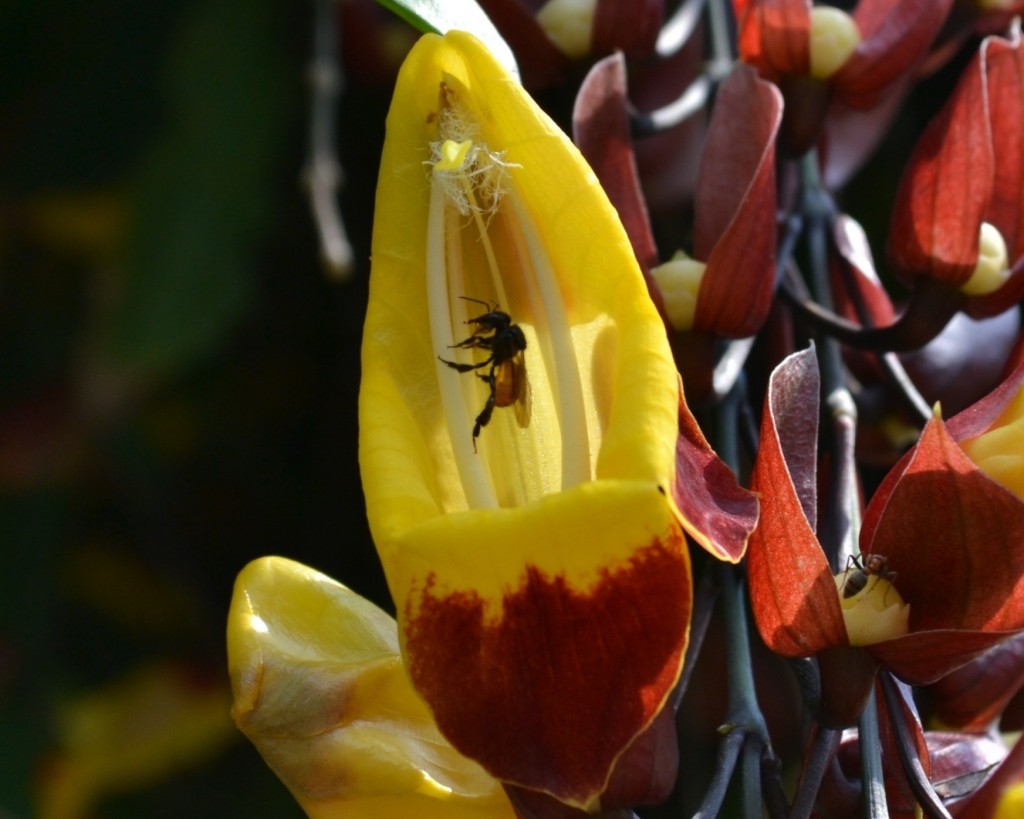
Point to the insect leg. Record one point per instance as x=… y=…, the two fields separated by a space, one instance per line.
x=465 y=368
x=475 y=340
x=484 y=418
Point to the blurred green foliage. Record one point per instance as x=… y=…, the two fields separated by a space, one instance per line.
x=178 y=377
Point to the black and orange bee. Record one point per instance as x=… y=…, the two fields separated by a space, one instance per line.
x=506 y=378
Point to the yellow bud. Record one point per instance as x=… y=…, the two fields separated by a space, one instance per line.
x=875 y=613
x=999 y=453
x=679 y=282
x=834 y=37
x=569 y=24
x=992 y=269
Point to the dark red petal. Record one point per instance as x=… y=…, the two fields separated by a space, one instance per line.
x=647 y=769
x=735 y=228
x=972 y=698
x=977 y=418
x=895 y=34
x=945 y=191
x=597 y=665
x=540 y=61
x=791 y=587
x=718 y=513
x=961 y=761
x=628 y=27
x=983 y=801
x=970 y=423
x=848 y=677
x=862 y=281
x=922 y=658
x=774 y=36
x=1005 y=64
x=954 y=537
x=600 y=125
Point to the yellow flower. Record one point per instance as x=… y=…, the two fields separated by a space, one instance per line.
x=536 y=561
x=321 y=691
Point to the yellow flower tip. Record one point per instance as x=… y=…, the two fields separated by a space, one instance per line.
x=999 y=452
x=679 y=282
x=992 y=269
x=1011 y=805
x=453 y=155
x=834 y=37
x=569 y=24
x=321 y=691
x=874 y=613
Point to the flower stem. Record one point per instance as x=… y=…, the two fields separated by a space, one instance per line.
x=841 y=527
x=871 y=762
x=826 y=742
x=745 y=728
x=907 y=749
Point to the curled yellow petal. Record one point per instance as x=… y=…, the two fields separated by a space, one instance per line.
x=320 y=689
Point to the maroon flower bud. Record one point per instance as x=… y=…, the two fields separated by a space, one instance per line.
x=958 y=217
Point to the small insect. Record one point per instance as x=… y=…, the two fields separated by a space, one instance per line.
x=506 y=376
x=873 y=565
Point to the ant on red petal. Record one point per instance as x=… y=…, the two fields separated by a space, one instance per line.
x=495 y=332
x=873 y=565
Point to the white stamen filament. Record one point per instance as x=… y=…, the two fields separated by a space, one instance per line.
x=477 y=486
x=485 y=240
x=560 y=355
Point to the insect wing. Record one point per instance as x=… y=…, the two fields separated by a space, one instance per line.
x=523 y=405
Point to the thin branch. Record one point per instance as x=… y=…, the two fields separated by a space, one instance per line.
x=907 y=749
x=822 y=751
x=771 y=779
x=323 y=171
x=728 y=752
x=703 y=606
x=690 y=102
x=875 y=806
x=897 y=376
x=679 y=28
x=921 y=321
x=841 y=527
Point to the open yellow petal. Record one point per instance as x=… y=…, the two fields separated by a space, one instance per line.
x=320 y=689
x=541 y=578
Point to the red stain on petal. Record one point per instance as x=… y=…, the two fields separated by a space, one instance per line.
x=550 y=693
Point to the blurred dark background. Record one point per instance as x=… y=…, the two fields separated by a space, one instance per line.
x=179 y=378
